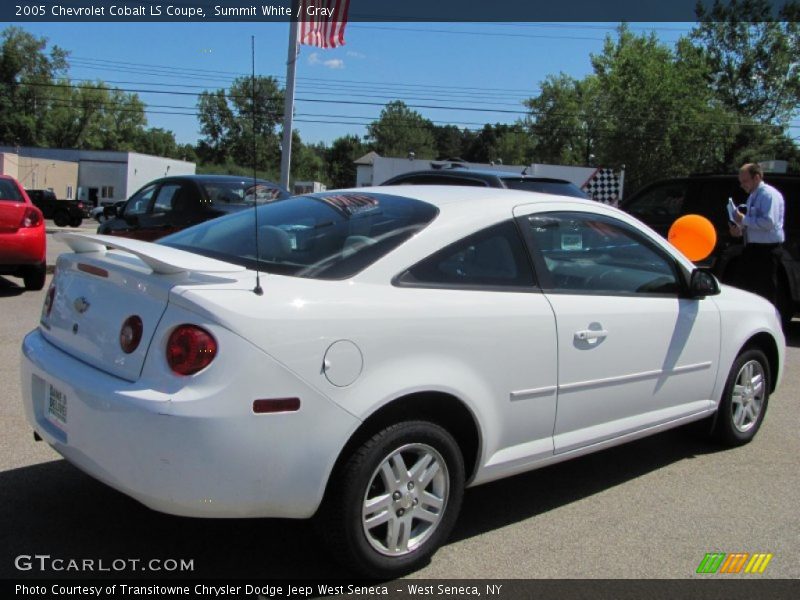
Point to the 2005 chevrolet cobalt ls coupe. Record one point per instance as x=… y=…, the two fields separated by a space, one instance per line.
x=363 y=355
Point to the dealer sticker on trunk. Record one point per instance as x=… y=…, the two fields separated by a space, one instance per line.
x=56 y=406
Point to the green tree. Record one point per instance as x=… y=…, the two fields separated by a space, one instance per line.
x=341 y=157
x=449 y=141
x=40 y=106
x=241 y=120
x=645 y=107
x=659 y=117
x=509 y=144
x=92 y=116
x=158 y=142
x=26 y=74
x=400 y=130
x=563 y=121
x=753 y=56
x=308 y=160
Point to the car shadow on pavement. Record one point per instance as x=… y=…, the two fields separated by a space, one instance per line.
x=8 y=288
x=55 y=509
x=537 y=492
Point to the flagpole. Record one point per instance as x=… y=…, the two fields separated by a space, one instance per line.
x=288 y=105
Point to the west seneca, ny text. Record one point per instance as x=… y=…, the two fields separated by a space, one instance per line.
x=169 y=10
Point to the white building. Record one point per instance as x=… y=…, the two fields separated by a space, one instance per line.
x=308 y=187
x=104 y=176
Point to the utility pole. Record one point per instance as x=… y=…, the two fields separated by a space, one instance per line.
x=288 y=105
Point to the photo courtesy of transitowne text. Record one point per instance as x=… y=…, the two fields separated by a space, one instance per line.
x=369 y=299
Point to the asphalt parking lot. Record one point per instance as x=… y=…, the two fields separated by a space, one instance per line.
x=650 y=509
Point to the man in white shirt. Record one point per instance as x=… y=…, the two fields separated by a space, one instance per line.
x=762 y=228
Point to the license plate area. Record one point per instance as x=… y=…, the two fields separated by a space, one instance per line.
x=55 y=403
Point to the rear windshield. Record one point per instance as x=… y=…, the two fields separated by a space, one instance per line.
x=324 y=236
x=562 y=188
x=9 y=191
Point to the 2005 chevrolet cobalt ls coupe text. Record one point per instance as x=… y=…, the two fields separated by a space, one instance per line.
x=363 y=355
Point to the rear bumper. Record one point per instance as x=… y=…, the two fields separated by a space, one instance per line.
x=23 y=247
x=185 y=451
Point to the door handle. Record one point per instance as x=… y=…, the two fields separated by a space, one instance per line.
x=590 y=334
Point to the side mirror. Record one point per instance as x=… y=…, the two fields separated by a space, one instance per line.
x=132 y=220
x=702 y=283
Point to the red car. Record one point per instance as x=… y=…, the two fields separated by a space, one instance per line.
x=22 y=235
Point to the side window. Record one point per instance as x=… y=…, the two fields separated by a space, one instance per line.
x=165 y=198
x=140 y=201
x=663 y=203
x=494 y=257
x=593 y=254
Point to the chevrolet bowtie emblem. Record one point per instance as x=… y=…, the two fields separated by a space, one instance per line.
x=81 y=305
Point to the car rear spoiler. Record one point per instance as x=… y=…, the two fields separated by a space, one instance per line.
x=161 y=259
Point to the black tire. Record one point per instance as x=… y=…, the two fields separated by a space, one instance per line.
x=436 y=496
x=75 y=221
x=61 y=218
x=34 y=277
x=744 y=400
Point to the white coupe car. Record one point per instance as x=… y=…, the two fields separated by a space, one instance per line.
x=363 y=355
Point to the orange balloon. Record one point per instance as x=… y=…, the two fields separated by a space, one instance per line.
x=694 y=235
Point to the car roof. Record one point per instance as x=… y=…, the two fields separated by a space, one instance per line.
x=480 y=174
x=461 y=198
x=503 y=174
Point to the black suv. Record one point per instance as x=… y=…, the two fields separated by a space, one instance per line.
x=487 y=178
x=661 y=203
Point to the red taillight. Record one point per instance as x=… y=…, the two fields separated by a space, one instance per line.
x=190 y=349
x=31 y=218
x=131 y=334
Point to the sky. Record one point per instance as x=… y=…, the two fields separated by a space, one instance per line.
x=474 y=73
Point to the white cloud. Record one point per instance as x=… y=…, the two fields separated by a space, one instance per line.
x=353 y=54
x=333 y=63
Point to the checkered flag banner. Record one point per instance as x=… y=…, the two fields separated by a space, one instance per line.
x=605 y=185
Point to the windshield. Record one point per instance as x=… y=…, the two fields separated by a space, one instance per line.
x=562 y=188
x=325 y=236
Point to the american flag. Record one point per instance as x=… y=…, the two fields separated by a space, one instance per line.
x=320 y=30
